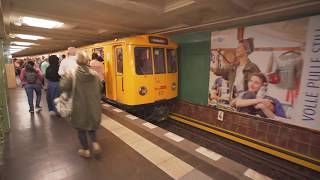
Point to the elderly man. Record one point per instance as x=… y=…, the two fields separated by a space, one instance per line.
x=69 y=63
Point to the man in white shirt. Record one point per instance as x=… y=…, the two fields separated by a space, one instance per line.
x=69 y=63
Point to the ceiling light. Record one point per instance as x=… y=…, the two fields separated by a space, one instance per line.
x=14 y=49
x=30 y=37
x=18 y=47
x=22 y=43
x=42 y=23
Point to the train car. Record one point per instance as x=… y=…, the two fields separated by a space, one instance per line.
x=141 y=72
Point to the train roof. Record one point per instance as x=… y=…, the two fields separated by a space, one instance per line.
x=149 y=40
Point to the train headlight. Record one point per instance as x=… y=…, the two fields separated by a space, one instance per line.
x=173 y=86
x=143 y=90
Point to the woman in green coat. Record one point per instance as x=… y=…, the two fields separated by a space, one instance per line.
x=86 y=109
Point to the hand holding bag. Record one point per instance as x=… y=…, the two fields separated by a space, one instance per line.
x=64 y=103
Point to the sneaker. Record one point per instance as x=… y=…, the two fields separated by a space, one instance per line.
x=31 y=110
x=38 y=108
x=84 y=153
x=96 y=148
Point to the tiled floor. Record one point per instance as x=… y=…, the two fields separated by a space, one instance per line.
x=43 y=147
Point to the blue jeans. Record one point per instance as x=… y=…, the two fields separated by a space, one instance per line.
x=82 y=135
x=53 y=92
x=29 y=90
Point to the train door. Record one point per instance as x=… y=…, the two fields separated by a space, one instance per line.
x=118 y=57
x=172 y=73
x=160 y=76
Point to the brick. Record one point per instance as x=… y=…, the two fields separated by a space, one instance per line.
x=273 y=129
x=304 y=136
x=235 y=119
x=293 y=145
x=282 y=142
x=284 y=132
x=244 y=121
x=315 y=152
x=234 y=127
x=251 y=132
x=272 y=139
x=315 y=139
x=303 y=148
x=293 y=134
x=243 y=130
x=229 y=117
x=261 y=135
x=226 y=125
x=254 y=124
x=262 y=126
x=212 y=117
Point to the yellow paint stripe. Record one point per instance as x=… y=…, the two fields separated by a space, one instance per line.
x=256 y=140
x=251 y=144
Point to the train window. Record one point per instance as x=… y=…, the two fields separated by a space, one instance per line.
x=143 y=62
x=99 y=52
x=172 y=60
x=119 y=60
x=159 y=61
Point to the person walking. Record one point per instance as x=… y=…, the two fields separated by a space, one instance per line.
x=86 y=109
x=31 y=79
x=53 y=83
x=98 y=66
x=68 y=63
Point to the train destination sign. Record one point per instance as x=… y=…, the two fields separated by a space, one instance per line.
x=158 y=40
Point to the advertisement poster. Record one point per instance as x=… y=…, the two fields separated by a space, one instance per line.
x=269 y=70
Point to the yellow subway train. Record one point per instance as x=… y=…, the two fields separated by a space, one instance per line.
x=141 y=72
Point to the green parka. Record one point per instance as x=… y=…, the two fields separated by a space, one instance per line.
x=86 y=108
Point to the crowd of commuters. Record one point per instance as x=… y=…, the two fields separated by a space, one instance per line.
x=72 y=74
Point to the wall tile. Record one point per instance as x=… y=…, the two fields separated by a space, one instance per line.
x=273 y=129
x=315 y=139
x=272 y=138
x=282 y=142
x=284 y=132
x=296 y=139
x=315 y=152
x=261 y=135
x=303 y=148
x=293 y=145
x=262 y=126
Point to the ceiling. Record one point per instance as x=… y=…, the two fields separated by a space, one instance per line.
x=90 y=21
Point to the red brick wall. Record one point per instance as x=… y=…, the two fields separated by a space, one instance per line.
x=294 y=138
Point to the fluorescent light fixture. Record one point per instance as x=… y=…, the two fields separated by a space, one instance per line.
x=30 y=37
x=42 y=23
x=18 y=47
x=22 y=43
x=14 y=49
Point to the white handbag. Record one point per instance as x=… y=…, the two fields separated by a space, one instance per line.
x=64 y=103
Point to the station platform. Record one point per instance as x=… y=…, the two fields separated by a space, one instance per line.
x=44 y=147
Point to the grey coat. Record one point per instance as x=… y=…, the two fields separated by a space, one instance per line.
x=86 y=109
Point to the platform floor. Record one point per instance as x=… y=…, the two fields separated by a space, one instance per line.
x=43 y=147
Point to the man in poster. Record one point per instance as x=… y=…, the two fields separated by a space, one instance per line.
x=238 y=73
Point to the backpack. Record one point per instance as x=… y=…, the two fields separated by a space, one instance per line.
x=31 y=77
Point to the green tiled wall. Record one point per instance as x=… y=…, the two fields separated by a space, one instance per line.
x=4 y=122
x=194 y=57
